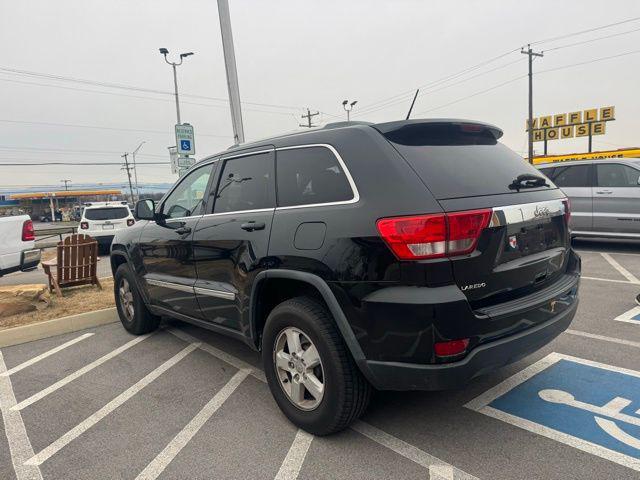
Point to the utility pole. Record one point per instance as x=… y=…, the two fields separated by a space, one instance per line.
x=126 y=167
x=135 y=170
x=232 y=72
x=165 y=52
x=66 y=183
x=531 y=54
x=308 y=117
x=348 y=107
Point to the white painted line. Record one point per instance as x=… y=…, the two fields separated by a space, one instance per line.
x=292 y=463
x=481 y=405
x=440 y=472
x=582 y=277
x=628 y=343
x=625 y=273
x=407 y=450
x=221 y=355
x=77 y=374
x=615 y=253
x=44 y=355
x=90 y=421
x=19 y=445
x=628 y=316
x=175 y=446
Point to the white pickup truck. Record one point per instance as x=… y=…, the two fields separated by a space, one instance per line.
x=17 y=245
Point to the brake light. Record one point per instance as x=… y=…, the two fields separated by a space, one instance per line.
x=434 y=236
x=567 y=209
x=84 y=225
x=454 y=347
x=28 y=233
x=130 y=222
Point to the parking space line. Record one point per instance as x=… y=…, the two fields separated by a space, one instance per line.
x=19 y=444
x=621 y=341
x=630 y=316
x=78 y=373
x=89 y=422
x=383 y=438
x=175 y=446
x=221 y=355
x=623 y=271
x=44 y=355
x=582 y=277
x=616 y=253
x=292 y=463
x=409 y=451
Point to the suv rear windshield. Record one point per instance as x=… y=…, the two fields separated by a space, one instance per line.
x=112 y=213
x=459 y=160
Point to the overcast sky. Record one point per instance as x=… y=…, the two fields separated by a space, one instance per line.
x=293 y=54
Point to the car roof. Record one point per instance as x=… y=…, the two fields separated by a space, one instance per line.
x=111 y=205
x=324 y=133
x=589 y=161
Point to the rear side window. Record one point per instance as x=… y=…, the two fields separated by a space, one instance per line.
x=459 y=160
x=548 y=172
x=113 y=213
x=309 y=176
x=572 y=176
x=246 y=183
x=617 y=175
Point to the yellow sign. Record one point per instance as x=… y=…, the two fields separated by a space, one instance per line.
x=623 y=153
x=572 y=124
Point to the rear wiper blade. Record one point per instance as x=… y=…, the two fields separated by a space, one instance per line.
x=528 y=180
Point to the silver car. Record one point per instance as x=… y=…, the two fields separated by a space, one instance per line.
x=604 y=195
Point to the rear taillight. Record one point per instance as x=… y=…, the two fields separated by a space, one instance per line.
x=130 y=222
x=434 y=236
x=567 y=209
x=84 y=225
x=454 y=347
x=27 y=231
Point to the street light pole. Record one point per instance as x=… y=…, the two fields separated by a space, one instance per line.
x=165 y=52
x=348 y=107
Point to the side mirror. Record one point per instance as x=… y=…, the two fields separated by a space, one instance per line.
x=145 y=209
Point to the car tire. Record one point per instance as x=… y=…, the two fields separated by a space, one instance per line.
x=345 y=392
x=133 y=313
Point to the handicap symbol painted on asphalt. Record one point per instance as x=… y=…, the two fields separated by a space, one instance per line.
x=185 y=144
x=631 y=316
x=588 y=405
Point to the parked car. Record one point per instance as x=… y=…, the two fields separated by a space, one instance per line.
x=103 y=220
x=604 y=194
x=17 y=245
x=411 y=255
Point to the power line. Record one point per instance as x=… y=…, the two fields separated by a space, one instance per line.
x=63 y=150
x=592 y=40
x=601 y=27
x=589 y=61
x=119 y=164
x=131 y=87
x=52 y=124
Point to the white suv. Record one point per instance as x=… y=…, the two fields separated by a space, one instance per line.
x=103 y=220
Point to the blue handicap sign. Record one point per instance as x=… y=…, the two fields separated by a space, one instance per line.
x=583 y=400
x=185 y=144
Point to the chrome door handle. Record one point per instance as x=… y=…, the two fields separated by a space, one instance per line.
x=183 y=230
x=604 y=192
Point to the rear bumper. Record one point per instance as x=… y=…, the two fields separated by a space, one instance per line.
x=483 y=359
x=103 y=239
x=19 y=261
x=30 y=259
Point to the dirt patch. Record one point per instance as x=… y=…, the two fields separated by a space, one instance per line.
x=75 y=300
x=48 y=254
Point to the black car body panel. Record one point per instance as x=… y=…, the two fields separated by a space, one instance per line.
x=513 y=293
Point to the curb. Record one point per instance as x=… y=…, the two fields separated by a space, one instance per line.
x=57 y=326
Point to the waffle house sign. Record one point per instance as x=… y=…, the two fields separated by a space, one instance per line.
x=583 y=123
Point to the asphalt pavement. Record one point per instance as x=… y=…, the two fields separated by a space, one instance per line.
x=184 y=402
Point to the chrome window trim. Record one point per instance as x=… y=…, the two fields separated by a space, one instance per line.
x=236 y=212
x=174 y=286
x=215 y=293
x=247 y=154
x=352 y=184
x=512 y=214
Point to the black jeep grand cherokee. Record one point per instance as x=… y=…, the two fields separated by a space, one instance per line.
x=404 y=255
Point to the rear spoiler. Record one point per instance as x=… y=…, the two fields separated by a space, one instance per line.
x=471 y=125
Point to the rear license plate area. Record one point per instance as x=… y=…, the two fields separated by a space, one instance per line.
x=107 y=227
x=526 y=239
